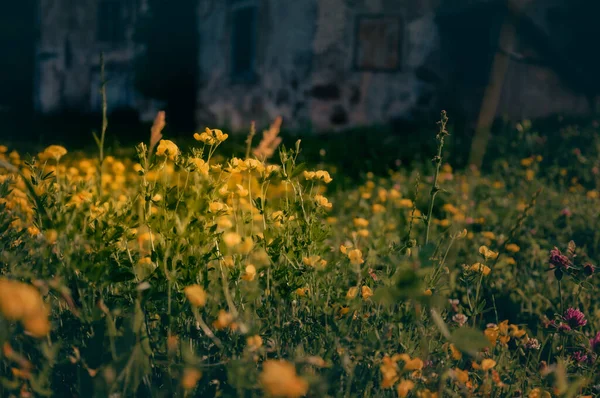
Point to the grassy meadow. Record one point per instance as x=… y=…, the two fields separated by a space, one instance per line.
x=187 y=272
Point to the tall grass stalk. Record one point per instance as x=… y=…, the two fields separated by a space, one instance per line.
x=437 y=160
x=100 y=140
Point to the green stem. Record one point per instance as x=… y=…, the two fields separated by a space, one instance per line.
x=562 y=308
x=100 y=141
x=438 y=163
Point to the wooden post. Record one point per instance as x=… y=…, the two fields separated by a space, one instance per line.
x=493 y=91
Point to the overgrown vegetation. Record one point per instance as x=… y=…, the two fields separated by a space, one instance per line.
x=185 y=273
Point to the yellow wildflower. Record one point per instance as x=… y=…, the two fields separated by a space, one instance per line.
x=314 y=261
x=223 y=320
x=516 y=332
x=404 y=388
x=53 y=152
x=527 y=161
x=355 y=257
x=231 y=239
x=366 y=292
x=361 y=222
x=363 y=233
x=254 y=342
x=201 y=166
x=344 y=248
x=460 y=375
x=20 y=301
x=195 y=295
x=539 y=393
x=352 y=292
x=190 y=378
x=228 y=261
x=389 y=372
x=511 y=247
x=215 y=207
x=456 y=354
x=278 y=378
x=378 y=208
x=167 y=148
x=492 y=333
x=487 y=253
x=478 y=267
x=487 y=364
x=406 y=203
x=37 y=324
x=250 y=273
x=489 y=235
x=323 y=202
x=411 y=364
x=426 y=394
x=245 y=246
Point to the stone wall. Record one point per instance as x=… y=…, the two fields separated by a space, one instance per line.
x=283 y=63
x=311 y=63
x=306 y=68
x=68 y=57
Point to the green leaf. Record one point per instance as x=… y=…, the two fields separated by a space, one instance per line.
x=439 y=322
x=469 y=340
x=298 y=169
x=425 y=253
x=408 y=282
x=121 y=276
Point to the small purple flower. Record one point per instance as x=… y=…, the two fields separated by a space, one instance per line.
x=589 y=269
x=595 y=343
x=563 y=327
x=532 y=344
x=566 y=212
x=574 y=318
x=579 y=357
x=558 y=259
x=461 y=319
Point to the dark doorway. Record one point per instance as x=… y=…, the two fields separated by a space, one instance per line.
x=17 y=46
x=169 y=69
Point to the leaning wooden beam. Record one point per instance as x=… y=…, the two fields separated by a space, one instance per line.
x=493 y=90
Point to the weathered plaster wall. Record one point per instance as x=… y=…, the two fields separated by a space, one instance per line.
x=283 y=60
x=68 y=61
x=305 y=66
x=367 y=97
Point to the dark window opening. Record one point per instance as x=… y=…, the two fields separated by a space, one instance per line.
x=378 y=43
x=243 y=44
x=111 y=27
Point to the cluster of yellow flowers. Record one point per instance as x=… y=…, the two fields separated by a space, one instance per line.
x=168 y=149
x=503 y=332
x=319 y=175
x=23 y=302
x=52 y=152
x=391 y=372
x=279 y=379
x=211 y=136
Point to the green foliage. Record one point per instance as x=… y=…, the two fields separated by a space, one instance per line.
x=184 y=272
